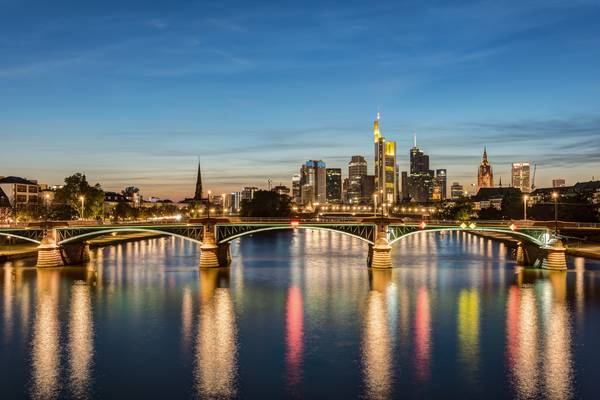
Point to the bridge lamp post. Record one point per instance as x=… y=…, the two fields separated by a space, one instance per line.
x=555 y=197
x=82 y=199
x=374 y=204
x=525 y=198
x=208 y=206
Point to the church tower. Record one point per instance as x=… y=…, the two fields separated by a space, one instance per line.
x=485 y=176
x=198 y=192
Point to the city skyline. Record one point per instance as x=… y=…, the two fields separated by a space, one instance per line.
x=138 y=93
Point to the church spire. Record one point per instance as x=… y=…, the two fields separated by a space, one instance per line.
x=198 y=192
x=485 y=153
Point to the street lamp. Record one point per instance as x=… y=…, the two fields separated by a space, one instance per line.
x=374 y=204
x=555 y=197
x=82 y=199
x=525 y=198
x=208 y=206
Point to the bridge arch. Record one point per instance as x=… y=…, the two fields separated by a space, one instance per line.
x=527 y=238
x=127 y=229
x=291 y=227
x=10 y=235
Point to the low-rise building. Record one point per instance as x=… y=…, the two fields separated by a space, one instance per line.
x=20 y=191
x=492 y=197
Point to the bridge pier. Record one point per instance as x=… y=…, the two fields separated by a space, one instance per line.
x=213 y=255
x=555 y=257
x=380 y=253
x=76 y=253
x=49 y=254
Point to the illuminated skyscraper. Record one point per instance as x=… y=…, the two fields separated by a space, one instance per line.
x=296 y=189
x=485 y=176
x=334 y=185
x=357 y=170
x=520 y=176
x=386 y=171
x=440 y=183
x=419 y=184
x=313 y=182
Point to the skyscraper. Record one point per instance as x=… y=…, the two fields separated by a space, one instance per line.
x=520 y=174
x=296 y=189
x=440 y=183
x=357 y=170
x=419 y=184
x=313 y=182
x=485 y=176
x=334 y=185
x=456 y=191
x=386 y=172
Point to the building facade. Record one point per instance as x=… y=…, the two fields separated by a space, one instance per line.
x=296 y=189
x=333 y=177
x=456 y=191
x=357 y=170
x=313 y=182
x=20 y=192
x=520 y=176
x=559 y=182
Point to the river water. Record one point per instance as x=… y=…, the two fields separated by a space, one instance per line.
x=298 y=315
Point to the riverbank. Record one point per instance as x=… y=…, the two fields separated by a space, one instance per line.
x=29 y=250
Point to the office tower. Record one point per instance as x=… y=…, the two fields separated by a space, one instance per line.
x=559 y=182
x=367 y=188
x=440 y=183
x=296 y=189
x=313 y=182
x=520 y=176
x=357 y=170
x=419 y=184
x=333 y=185
x=386 y=175
x=456 y=191
x=485 y=176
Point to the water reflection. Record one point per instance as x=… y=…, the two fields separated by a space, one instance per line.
x=377 y=349
x=422 y=334
x=468 y=329
x=294 y=336
x=46 y=336
x=81 y=340
x=538 y=335
x=216 y=343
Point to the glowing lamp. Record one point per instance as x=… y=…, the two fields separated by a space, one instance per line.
x=422 y=224
x=513 y=227
x=463 y=225
x=472 y=225
x=295 y=223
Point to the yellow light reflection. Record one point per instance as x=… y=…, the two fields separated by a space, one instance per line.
x=468 y=328
x=46 y=335
x=377 y=359
x=216 y=344
x=81 y=340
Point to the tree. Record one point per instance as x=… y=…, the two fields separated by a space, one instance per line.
x=124 y=211
x=266 y=203
x=459 y=210
x=76 y=186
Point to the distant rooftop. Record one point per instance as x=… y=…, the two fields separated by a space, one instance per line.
x=16 y=179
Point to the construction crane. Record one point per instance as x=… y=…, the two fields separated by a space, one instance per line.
x=533 y=177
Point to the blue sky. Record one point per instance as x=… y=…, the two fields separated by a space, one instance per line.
x=131 y=93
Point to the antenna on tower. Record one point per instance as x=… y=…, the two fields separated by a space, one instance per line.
x=414 y=139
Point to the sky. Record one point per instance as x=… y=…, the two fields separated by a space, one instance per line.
x=132 y=93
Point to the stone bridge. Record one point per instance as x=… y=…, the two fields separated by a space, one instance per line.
x=67 y=245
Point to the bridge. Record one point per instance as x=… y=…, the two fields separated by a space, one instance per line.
x=63 y=244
